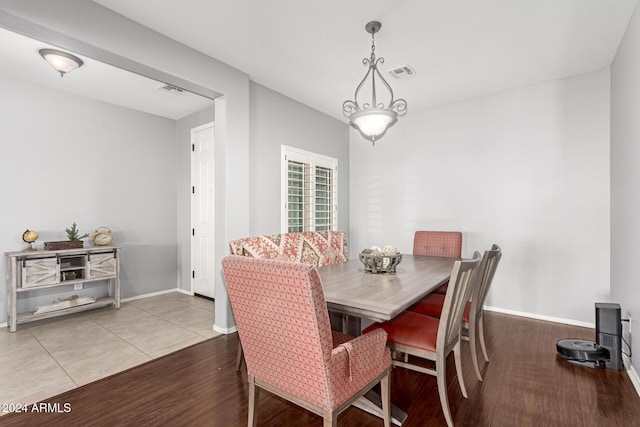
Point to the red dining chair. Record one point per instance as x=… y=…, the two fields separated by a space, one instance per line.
x=473 y=318
x=434 y=338
x=288 y=344
x=446 y=244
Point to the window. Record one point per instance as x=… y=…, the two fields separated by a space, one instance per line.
x=309 y=191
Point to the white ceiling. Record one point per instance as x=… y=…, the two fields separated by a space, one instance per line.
x=312 y=51
x=21 y=61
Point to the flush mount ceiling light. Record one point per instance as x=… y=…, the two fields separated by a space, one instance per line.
x=373 y=118
x=62 y=62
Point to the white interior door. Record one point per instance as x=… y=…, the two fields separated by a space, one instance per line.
x=202 y=210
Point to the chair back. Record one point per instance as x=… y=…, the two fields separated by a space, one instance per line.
x=484 y=279
x=317 y=248
x=458 y=293
x=438 y=243
x=283 y=323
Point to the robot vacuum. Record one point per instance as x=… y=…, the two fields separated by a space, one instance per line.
x=583 y=352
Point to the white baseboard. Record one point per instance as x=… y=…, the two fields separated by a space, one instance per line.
x=225 y=331
x=633 y=375
x=151 y=294
x=541 y=317
x=185 y=292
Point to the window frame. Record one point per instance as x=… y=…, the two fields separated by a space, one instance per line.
x=313 y=160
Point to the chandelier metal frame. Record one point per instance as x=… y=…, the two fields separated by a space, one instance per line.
x=356 y=109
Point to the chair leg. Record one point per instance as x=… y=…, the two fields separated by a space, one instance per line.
x=253 y=402
x=441 y=374
x=330 y=418
x=239 y=357
x=458 y=358
x=481 y=335
x=472 y=331
x=385 y=394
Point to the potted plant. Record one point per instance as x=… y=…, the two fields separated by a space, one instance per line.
x=74 y=236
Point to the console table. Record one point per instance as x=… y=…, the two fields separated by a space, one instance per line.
x=30 y=271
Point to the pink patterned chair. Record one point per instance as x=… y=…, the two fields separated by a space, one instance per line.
x=289 y=347
x=438 y=243
x=316 y=248
x=446 y=244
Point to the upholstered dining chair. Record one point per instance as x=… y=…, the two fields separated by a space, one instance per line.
x=432 y=338
x=288 y=344
x=473 y=318
x=438 y=243
x=317 y=248
x=446 y=244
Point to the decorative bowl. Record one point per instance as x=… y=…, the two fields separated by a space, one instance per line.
x=377 y=262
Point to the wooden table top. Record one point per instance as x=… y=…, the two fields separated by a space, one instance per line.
x=349 y=290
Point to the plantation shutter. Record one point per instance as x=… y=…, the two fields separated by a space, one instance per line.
x=310 y=191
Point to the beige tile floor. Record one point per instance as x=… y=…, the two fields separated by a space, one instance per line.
x=47 y=357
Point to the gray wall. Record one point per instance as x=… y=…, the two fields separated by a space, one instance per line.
x=625 y=179
x=91 y=30
x=88 y=29
x=278 y=120
x=526 y=168
x=70 y=159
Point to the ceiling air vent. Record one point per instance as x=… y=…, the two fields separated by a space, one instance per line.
x=171 y=89
x=403 y=72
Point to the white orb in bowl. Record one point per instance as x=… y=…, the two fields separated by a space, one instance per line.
x=389 y=250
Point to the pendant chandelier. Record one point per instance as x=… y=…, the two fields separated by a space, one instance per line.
x=373 y=118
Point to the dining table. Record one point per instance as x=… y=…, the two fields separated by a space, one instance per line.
x=357 y=294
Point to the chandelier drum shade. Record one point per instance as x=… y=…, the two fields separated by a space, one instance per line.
x=62 y=62
x=373 y=117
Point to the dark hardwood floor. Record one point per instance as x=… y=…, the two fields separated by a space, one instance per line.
x=525 y=384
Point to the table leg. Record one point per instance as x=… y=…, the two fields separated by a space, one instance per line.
x=371 y=401
x=352 y=325
x=336 y=320
x=372 y=404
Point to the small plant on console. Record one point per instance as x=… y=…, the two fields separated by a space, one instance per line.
x=73 y=233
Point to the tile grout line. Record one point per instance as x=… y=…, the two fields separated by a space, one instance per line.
x=54 y=359
x=189 y=304
x=175 y=324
